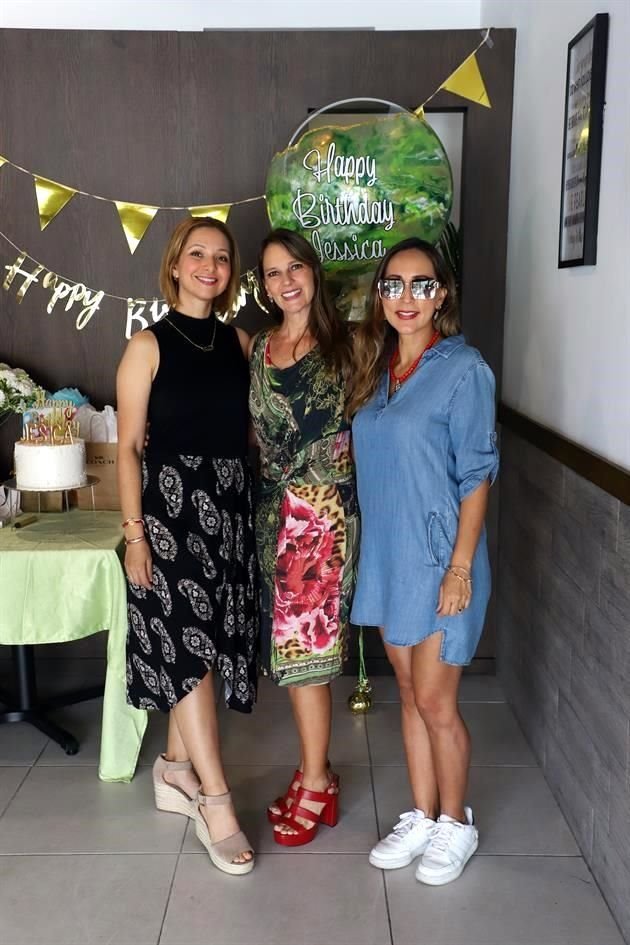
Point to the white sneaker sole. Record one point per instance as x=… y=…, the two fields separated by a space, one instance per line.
x=396 y=862
x=442 y=879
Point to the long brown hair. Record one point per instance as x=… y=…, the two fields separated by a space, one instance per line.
x=324 y=324
x=375 y=339
x=174 y=247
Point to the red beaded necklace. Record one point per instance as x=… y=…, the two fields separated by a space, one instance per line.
x=397 y=382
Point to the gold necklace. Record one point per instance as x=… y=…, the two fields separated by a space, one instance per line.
x=190 y=341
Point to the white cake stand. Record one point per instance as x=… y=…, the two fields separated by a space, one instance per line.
x=89 y=484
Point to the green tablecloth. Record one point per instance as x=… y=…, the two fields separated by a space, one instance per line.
x=60 y=580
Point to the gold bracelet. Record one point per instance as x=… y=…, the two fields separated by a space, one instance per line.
x=134 y=541
x=464 y=580
x=133 y=521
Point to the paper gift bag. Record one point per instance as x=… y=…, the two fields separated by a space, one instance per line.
x=101 y=462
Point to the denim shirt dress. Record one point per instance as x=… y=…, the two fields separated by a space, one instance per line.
x=418 y=453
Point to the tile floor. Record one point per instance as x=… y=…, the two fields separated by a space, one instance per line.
x=85 y=863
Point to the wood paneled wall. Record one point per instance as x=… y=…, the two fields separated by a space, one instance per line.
x=190 y=118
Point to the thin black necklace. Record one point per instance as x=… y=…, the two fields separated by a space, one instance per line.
x=190 y=341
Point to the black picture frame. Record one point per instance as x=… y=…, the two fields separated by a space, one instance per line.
x=582 y=146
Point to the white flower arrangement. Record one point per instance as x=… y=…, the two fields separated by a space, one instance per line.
x=18 y=391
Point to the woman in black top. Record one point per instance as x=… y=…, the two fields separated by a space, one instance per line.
x=186 y=506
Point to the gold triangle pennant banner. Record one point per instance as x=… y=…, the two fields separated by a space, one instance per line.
x=2 y=160
x=467 y=81
x=135 y=219
x=217 y=211
x=51 y=198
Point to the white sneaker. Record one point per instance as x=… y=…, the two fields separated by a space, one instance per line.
x=451 y=846
x=408 y=839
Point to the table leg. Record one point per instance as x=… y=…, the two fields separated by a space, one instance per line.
x=30 y=709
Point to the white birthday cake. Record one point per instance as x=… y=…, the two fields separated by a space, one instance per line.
x=50 y=466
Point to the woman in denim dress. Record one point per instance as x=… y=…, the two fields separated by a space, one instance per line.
x=424 y=444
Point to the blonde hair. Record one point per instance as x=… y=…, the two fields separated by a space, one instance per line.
x=375 y=339
x=174 y=247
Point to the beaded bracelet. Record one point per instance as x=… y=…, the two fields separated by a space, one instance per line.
x=133 y=521
x=134 y=541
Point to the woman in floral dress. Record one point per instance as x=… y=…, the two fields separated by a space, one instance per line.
x=306 y=518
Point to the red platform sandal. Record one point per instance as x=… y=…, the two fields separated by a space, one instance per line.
x=282 y=802
x=328 y=815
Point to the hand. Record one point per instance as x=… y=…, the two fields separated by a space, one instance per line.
x=138 y=564
x=454 y=596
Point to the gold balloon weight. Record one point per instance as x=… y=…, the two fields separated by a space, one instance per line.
x=360 y=700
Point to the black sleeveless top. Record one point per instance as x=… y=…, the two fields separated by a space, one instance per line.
x=198 y=402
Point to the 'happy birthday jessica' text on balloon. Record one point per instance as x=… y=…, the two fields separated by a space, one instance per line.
x=355 y=191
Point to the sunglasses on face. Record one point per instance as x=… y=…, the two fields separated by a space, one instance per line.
x=421 y=289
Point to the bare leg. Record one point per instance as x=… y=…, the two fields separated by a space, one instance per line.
x=312 y=711
x=435 y=686
x=196 y=720
x=416 y=740
x=294 y=785
x=176 y=751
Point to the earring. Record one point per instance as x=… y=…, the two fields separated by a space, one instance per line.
x=436 y=313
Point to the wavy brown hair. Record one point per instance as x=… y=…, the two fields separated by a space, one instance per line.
x=174 y=247
x=324 y=324
x=375 y=339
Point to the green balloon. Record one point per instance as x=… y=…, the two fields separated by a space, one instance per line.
x=355 y=191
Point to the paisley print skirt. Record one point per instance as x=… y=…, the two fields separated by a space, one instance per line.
x=202 y=609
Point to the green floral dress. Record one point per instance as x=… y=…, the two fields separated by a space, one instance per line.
x=307 y=525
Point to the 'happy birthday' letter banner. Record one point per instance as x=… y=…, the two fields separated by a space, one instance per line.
x=355 y=191
x=84 y=303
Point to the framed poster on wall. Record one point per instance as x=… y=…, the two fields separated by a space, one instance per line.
x=582 y=151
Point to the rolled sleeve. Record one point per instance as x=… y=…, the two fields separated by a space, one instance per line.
x=472 y=429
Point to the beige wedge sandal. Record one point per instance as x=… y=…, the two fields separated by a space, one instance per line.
x=169 y=797
x=223 y=852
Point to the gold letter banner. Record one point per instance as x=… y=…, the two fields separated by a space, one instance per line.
x=135 y=219
x=468 y=82
x=51 y=198
x=217 y=211
x=26 y=271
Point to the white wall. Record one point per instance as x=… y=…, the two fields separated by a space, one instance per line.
x=567 y=331
x=239 y=14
